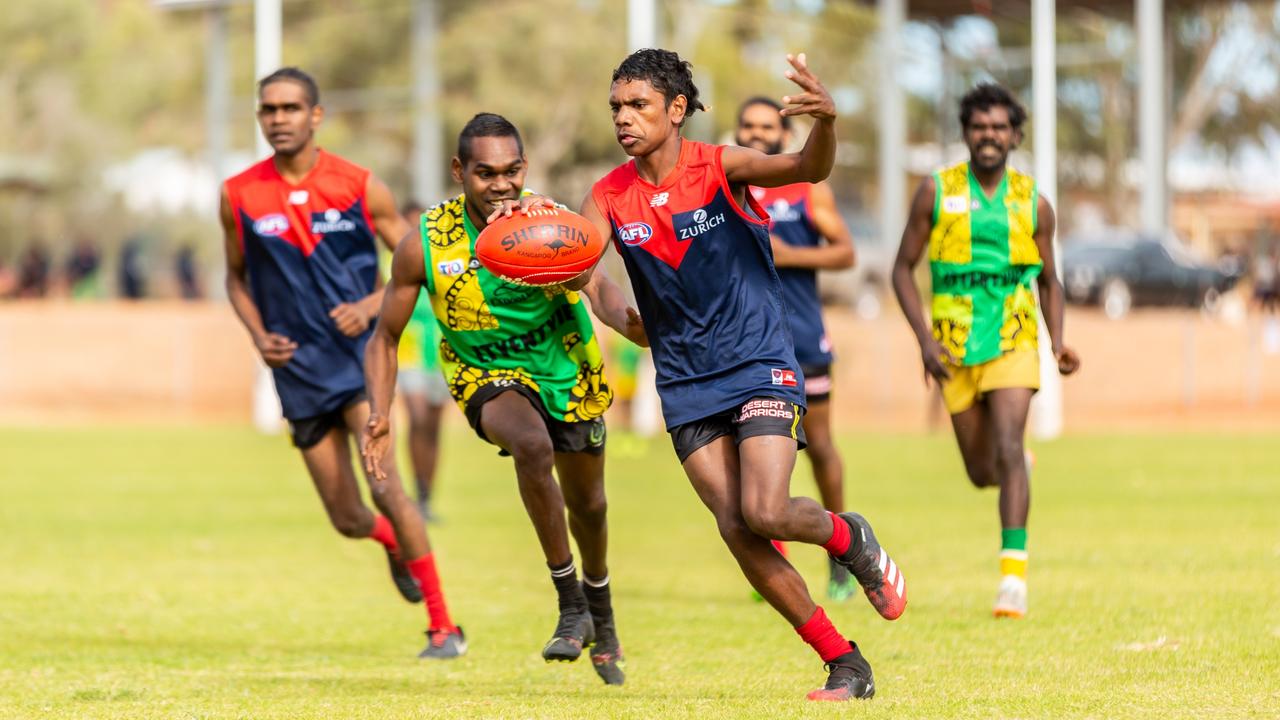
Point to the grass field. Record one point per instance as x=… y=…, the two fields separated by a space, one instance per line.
x=189 y=573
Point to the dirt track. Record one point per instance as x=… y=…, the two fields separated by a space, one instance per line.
x=177 y=362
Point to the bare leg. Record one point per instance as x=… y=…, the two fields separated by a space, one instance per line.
x=767 y=505
x=515 y=426
x=828 y=469
x=713 y=471
x=424 y=442
x=977 y=445
x=388 y=495
x=1007 y=411
x=329 y=464
x=582 y=483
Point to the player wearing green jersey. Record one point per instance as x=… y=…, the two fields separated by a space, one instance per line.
x=989 y=235
x=422 y=387
x=523 y=364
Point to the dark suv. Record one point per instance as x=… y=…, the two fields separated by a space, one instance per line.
x=1121 y=270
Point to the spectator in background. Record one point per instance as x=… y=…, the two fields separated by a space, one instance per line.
x=8 y=281
x=189 y=284
x=1264 y=277
x=133 y=275
x=82 y=270
x=33 y=272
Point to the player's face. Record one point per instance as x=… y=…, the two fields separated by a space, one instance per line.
x=287 y=120
x=990 y=137
x=494 y=172
x=642 y=120
x=760 y=128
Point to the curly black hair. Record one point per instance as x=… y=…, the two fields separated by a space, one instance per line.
x=486 y=125
x=293 y=74
x=666 y=72
x=986 y=96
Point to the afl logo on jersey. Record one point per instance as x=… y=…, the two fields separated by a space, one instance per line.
x=273 y=225
x=635 y=233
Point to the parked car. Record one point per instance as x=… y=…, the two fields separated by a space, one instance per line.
x=1121 y=270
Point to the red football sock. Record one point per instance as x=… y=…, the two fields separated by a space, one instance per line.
x=384 y=533
x=780 y=546
x=838 y=543
x=823 y=637
x=423 y=570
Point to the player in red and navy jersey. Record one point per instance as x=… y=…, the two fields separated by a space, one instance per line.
x=806 y=234
x=302 y=275
x=710 y=305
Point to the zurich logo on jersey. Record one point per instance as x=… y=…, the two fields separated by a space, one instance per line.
x=702 y=221
x=331 y=221
x=635 y=233
x=273 y=225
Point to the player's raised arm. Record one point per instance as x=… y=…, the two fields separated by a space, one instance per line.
x=275 y=349
x=401 y=294
x=814 y=161
x=914 y=238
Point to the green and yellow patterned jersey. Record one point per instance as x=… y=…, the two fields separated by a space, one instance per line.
x=984 y=261
x=495 y=331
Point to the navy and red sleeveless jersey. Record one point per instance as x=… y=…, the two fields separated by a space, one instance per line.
x=705 y=286
x=308 y=248
x=788 y=209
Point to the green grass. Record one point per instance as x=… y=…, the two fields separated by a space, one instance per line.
x=189 y=573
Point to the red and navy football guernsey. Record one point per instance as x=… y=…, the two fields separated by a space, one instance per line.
x=788 y=209
x=705 y=286
x=308 y=248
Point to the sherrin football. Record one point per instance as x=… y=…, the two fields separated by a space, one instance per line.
x=545 y=246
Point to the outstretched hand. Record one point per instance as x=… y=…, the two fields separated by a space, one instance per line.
x=374 y=443
x=815 y=100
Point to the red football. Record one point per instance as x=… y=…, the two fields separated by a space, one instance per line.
x=544 y=247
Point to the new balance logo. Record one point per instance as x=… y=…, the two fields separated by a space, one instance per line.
x=659 y=200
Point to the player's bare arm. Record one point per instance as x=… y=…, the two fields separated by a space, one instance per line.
x=836 y=254
x=746 y=166
x=914 y=239
x=353 y=319
x=610 y=305
x=275 y=349
x=1051 y=296
x=380 y=362
x=608 y=302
